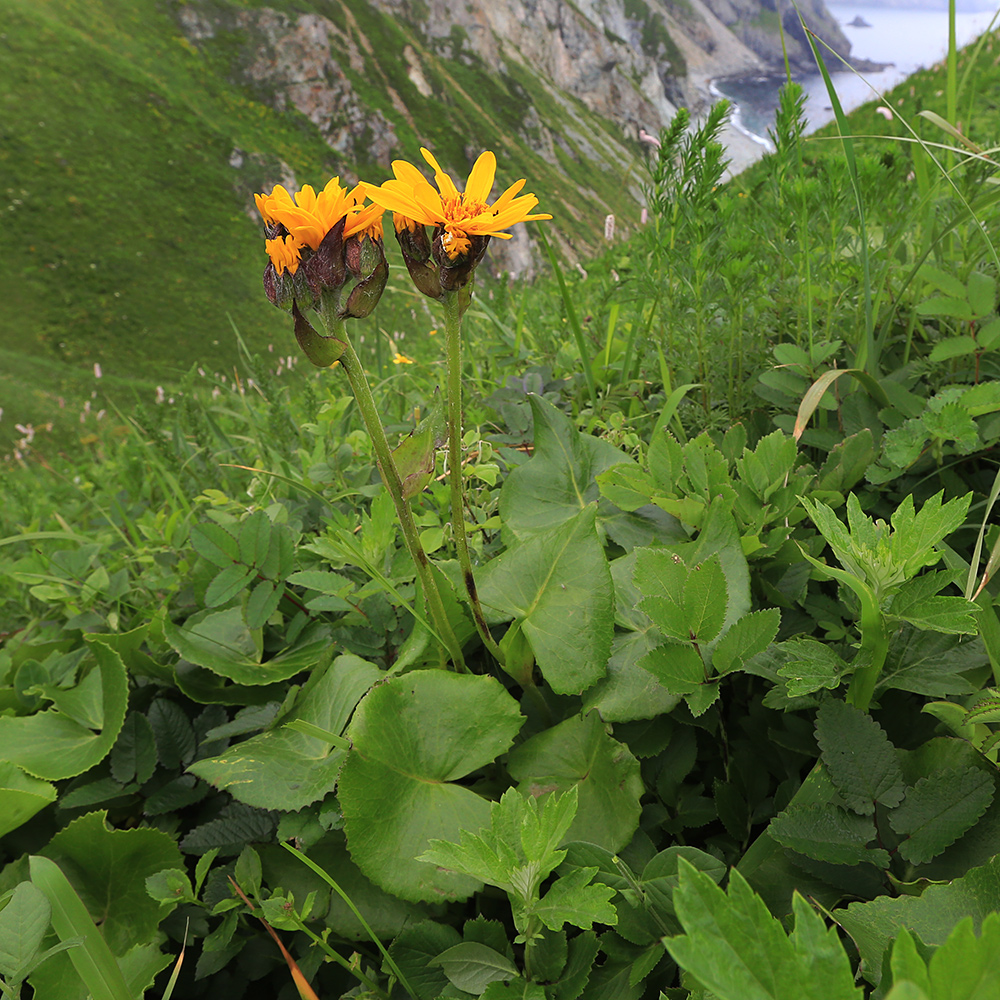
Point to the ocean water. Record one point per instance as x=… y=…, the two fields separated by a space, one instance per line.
x=910 y=39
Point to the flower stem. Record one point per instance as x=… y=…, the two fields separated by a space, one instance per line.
x=390 y=476
x=453 y=338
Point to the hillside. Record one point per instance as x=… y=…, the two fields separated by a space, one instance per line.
x=134 y=136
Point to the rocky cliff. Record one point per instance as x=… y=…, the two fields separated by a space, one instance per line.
x=560 y=88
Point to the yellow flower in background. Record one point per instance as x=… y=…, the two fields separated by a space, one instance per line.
x=402 y=359
x=461 y=216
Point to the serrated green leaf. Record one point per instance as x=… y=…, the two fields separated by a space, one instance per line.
x=660 y=576
x=827 y=833
x=940 y=614
x=677 y=667
x=931 y=664
x=953 y=347
x=216 y=544
x=255 y=538
x=471 y=966
x=705 y=601
x=263 y=602
x=943 y=305
x=573 y=900
x=982 y=293
x=747 y=637
x=236 y=826
x=133 y=757
x=859 y=757
x=809 y=665
x=23 y=923
x=939 y=809
x=227 y=584
x=108 y=870
x=967 y=967
x=942 y=280
x=738 y=950
x=21 y=796
x=51 y=745
x=519 y=848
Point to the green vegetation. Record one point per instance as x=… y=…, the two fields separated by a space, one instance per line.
x=730 y=495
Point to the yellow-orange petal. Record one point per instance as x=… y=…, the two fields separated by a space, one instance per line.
x=445 y=184
x=480 y=182
x=408 y=173
x=508 y=196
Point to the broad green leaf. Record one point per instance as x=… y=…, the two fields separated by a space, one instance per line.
x=809 y=665
x=918 y=604
x=628 y=691
x=285 y=769
x=221 y=642
x=573 y=900
x=626 y=486
x=21 y=796
x=750 y=635
x=413 y=736
x=23 y=923
x=931 y=916
x=939 y=809
x=739 y=951
x=559 y=480
x=108 y=868
x=557 y=586
x=52 y=746
x=471 y=966
x=827 y=833
x=931 y=664
x=858 y=756
x=580 y=958
x=414 y=951
x=579 y=753
x=943 y=280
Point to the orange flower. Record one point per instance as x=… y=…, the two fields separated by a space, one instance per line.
x=460 y=216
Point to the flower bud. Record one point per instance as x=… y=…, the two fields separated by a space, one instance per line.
x=364 y=258
x=416 y=249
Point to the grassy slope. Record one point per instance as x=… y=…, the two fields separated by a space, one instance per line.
x=129 y=235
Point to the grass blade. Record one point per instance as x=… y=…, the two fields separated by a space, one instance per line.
x=93 y=960
x=571 y=317
x=866 y=356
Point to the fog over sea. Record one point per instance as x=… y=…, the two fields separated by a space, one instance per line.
x=910 y=39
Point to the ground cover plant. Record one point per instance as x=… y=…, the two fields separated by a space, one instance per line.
x=655 y=655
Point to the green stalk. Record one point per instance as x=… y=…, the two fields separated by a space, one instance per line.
x=453 y=349
x=390 y=476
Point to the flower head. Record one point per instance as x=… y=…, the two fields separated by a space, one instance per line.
x=316 y=243
x=463 y=221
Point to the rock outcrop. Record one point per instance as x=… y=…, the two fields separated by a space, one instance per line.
x=560 y=88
